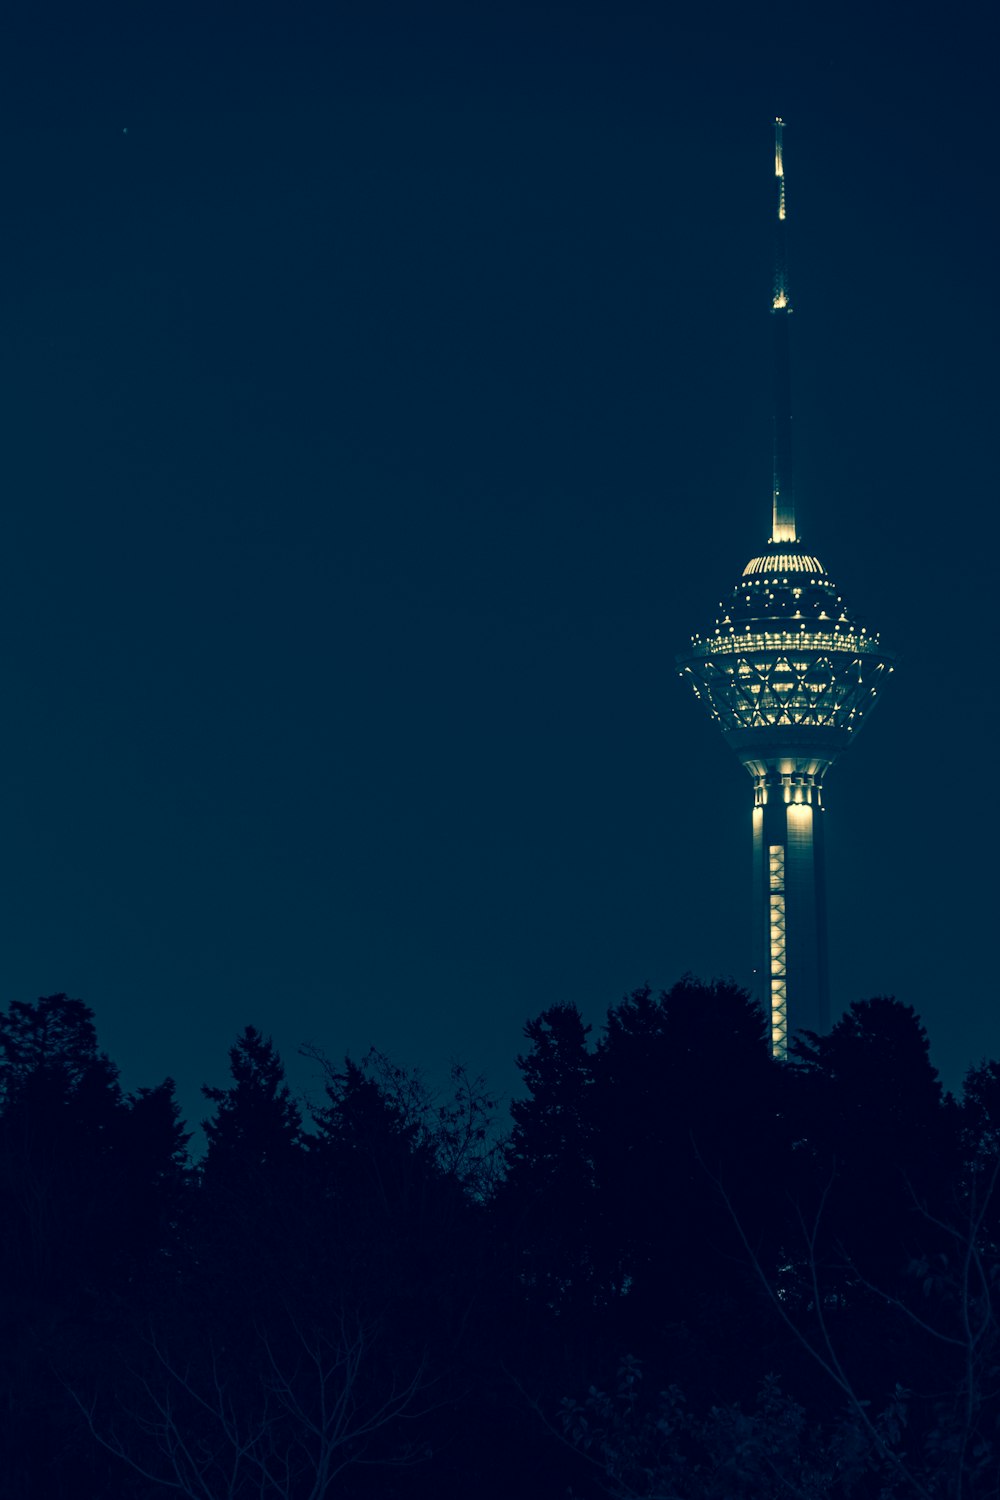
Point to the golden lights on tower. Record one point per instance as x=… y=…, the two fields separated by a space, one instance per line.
x=777 y=956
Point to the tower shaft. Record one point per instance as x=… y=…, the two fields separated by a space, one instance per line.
x=789 y=898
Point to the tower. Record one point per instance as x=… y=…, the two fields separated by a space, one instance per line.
x=788 y=674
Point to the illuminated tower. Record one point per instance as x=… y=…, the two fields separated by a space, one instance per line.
x=789 y=674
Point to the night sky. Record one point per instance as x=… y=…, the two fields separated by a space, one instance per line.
x=385 y=402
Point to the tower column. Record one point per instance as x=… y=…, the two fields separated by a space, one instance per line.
x=789 y=909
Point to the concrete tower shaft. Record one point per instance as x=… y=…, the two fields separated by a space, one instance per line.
x=789 y=900
x=789 y=674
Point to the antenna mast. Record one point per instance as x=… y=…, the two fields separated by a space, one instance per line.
x=782 y=498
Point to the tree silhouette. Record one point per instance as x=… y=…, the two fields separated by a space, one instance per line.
x=257 y=1127
x=546 y=1202
x=63 y=1129
x=281 y=1417
x=808 y=1250
x=882 y=1137
x=91 y=1185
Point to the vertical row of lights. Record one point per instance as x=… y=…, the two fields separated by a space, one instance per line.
x=779 y=966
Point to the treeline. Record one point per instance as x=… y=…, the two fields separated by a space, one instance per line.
x=685 y=1271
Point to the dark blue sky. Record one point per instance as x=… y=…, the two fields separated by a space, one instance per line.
x=385 y=402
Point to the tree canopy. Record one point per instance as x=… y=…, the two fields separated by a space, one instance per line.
x=684 y=1269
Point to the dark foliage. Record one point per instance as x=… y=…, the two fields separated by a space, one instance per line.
x=689 y=1271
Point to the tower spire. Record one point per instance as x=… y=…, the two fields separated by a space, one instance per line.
x=782 y=499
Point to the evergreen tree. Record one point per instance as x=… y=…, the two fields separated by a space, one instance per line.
x=545 y=1204
x=881 y=1136
x=257 y=1127
x=92 y=1185
x=250 y=1213
x=689 y=1139
x=61 y=1138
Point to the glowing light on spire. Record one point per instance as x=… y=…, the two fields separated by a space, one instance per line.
x=781 y=301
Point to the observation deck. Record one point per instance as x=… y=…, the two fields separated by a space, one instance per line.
x=787 y=669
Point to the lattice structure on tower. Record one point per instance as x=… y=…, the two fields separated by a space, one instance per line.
x=785 y=651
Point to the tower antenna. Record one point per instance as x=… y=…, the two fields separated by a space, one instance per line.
x=782 y=497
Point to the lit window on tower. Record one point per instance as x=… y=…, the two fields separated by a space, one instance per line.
x=779 y=967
